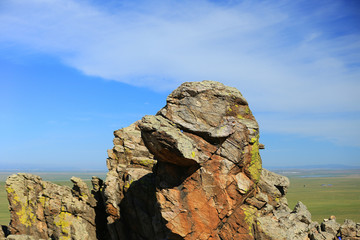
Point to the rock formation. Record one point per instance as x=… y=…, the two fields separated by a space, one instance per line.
x=45 y=210
x=192 y=171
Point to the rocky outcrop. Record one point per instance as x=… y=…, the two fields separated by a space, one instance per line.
x=128 y=161
x=192 y=171
x=350 y=230
x=201 y=155
x=45 y=210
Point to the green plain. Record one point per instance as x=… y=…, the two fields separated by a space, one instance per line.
x=4 y=209
x=326 y=196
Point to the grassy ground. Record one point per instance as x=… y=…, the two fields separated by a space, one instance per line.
x=339 y=196
x=4 y=211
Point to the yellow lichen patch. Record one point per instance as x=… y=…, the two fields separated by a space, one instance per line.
x=26 y=215
x=236 y=105
x=249 y=212
x=255 y=164
x=253 y=140
x=146 y=162
x=192 y=154
x=11 y=191
x=63 y=221
x=247 y=110
x=64 y=238
x=128 y=183
x=239 y=116
x=229 y=109
x=42 y=200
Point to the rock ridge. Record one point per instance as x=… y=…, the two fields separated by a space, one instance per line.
x=192 y=171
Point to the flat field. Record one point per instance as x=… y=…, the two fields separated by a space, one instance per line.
x=4 y=211
x=326 y=196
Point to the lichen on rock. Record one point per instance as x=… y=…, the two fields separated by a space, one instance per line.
x=45 y=210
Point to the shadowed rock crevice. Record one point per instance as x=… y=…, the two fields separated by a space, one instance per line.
x=100 y=211
x=281 y=190
x=169 y=175
x=139 y=205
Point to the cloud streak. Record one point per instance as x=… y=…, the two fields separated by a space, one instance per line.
x=342 y=130
x=286 y=57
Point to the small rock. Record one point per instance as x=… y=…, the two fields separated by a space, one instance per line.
x=348 y=229
x=21 y=237
x=302 y=213
x=255 y=202
x=273 y=184
x=330 y=226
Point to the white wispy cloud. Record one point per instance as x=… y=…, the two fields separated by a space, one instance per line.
x=340 y=129
x=285 y=56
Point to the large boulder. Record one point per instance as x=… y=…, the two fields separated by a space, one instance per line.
x=187 y=172
x=350 y=230
x=44 y=210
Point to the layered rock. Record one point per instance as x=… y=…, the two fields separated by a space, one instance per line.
x=128 y=161
x=45 y=210
x=204 y=146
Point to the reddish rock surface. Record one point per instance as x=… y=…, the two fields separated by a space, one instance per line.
x=205 y=143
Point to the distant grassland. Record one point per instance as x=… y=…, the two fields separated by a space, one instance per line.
x=4 y=210
x=323 y=196
x=326 y=196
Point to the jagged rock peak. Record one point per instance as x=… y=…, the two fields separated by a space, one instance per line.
x=202 y=151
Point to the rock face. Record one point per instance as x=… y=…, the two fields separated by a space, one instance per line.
x=192 y=171
x=45 y=210
x=186 y=172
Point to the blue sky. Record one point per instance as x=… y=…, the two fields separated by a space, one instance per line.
x=71 y=72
